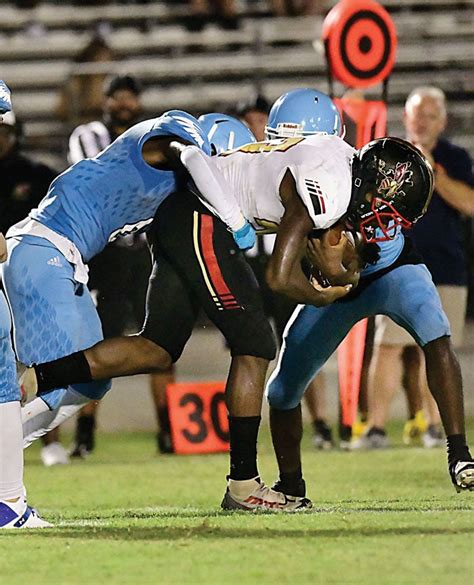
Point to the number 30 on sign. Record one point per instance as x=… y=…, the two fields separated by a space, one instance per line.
x=198 y=417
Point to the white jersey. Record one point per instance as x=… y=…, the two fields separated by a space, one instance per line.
x=320 y=165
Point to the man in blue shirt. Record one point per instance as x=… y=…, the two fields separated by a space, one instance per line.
x=439 y=238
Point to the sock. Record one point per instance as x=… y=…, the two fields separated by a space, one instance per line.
x=292 y=483
x=457 y=449
x=85 y=431
x=72 y=369
x=243 y=446
x=376 y=431
x=322 y=428
x=11 y=451
x=164 y=419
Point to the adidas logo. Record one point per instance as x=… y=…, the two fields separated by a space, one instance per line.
x=56 y=261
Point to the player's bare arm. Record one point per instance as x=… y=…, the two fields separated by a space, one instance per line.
x=163 y=152
x=284 y=274
x=3 y=248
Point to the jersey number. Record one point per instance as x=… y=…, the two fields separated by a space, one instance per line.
x=279 y=145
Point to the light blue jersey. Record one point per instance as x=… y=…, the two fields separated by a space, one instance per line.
x=389 y=252
x=117 y=192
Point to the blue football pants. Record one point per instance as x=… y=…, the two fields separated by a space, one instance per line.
x=406 y=294
x=53 y=314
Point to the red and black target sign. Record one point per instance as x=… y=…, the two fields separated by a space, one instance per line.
x=360 y=39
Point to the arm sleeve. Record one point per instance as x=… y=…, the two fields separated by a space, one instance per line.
x=214 y=189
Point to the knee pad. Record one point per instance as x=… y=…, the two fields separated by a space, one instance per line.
x=94 y=390
x=91 y=390
x=53 y=398
x=281 y=399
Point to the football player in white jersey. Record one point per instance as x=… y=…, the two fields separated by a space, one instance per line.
x=397 y=284
x=291 y=186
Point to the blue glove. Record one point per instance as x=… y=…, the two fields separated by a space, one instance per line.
x=5 y=98
x=245 y=237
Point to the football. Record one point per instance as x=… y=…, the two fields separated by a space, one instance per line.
x=332 y=237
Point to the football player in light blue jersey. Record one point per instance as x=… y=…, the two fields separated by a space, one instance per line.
x=94 y=201
x=14 y=510
x=225 y=132
x=117 y=192
x=303 y=112
x=81 y=328
x=397 y=284
x=90 y=204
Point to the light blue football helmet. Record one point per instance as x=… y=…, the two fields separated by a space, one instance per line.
x=225 y=132
x=303 y=112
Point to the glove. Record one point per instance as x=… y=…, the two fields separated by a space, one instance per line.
x=5 y=98
x=245 y=237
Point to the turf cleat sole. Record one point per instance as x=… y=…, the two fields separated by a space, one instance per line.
x=465 y=480
x=251 y=495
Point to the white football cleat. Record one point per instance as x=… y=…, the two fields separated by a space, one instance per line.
x=54 y=454
x=253 y=494
x=463 y=475
x=433 y=438
x=373 y=439
x=20 y=515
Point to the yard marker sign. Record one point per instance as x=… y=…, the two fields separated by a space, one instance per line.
x=198 y=417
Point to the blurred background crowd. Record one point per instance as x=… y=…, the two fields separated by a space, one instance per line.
x=82 y=72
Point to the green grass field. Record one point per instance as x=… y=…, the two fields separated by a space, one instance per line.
x=127 y=515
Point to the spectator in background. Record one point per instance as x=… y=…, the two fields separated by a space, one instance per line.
x=204 y=11
x=298 y=7
x=118 y=275
x=120 y=109
x=254 y=113
x=24 y=183
x=81 y=98
x=439 y=238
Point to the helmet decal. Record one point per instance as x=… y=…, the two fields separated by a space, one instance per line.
x=394 y=179
x=392 y=184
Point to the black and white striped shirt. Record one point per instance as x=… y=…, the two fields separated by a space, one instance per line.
x=87 y=140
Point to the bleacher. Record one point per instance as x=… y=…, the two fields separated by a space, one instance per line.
x=215 y=68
